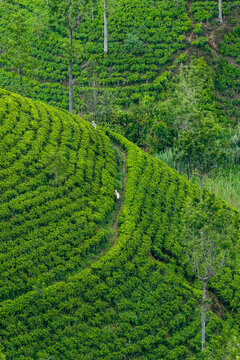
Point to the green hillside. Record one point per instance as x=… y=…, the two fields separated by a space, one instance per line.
x=85 y=278
x=149 y=41
x=57 y=177
x=141 y=42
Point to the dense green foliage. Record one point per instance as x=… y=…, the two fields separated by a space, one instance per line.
x=139 y=300
x=140 y=43
x=148 y=42
x=228 y=75
x=51 y=170
x=170 y=77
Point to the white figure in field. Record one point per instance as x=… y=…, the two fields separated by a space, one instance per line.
x=117 y=195
x=94 y=125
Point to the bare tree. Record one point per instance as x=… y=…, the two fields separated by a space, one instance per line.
x=105 y=15
x=58 y=166
x=220 y=11
x=96 y=102
x=207 y=236
x=210 y=271
x=15 y=45
x=71 y=14
x=204 y=144
x=186 y=100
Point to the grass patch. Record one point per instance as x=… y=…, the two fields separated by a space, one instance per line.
x=224 y=182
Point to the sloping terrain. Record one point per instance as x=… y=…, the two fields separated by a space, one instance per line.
x=57 y=177
x=142 y=39
x=148 y=40
x=67 y=290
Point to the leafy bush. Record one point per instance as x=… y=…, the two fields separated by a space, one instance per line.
x=201 y=42
x=198 y=29
x=204 y=10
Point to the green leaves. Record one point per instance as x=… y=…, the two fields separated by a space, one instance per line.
x=209 y=233
x=17 y=47
x=60 y=193
x=135 y=300
x=203 y=145
x=72 y=51
x=68 y=12
x=188 y=94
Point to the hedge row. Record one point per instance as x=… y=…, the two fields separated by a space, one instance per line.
x=136 y=301
x=57 y=177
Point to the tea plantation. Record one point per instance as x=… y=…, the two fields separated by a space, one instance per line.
x=68 y=292
x=57 y=177
x=148 y=42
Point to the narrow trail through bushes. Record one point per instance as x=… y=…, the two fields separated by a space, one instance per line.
x=115 y=224
x=114 y=221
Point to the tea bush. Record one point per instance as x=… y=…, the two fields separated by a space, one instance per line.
x=228 y=75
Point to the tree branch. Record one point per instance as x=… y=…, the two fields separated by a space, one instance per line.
x=78 y=21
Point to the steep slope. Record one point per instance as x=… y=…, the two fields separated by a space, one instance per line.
x=142 y=38
x=57 y=176
x=147 y=42
x=136 y=300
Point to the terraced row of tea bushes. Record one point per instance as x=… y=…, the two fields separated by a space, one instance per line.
x=208 y=10
x=52 y=93
x=126 y=305
x=57 y=177
x=143 y=37
x=231 y=44
x=227 y=82
x=143 y=40
x=228 y=75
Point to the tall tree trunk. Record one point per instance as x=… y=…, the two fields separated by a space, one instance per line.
x=105 y=28
x=201 y=187
x=93 y=17
x=204 y=284
x=220 y=11
x=94 y=100
x=70 y=74
x=178 y=166
x=20 y=76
